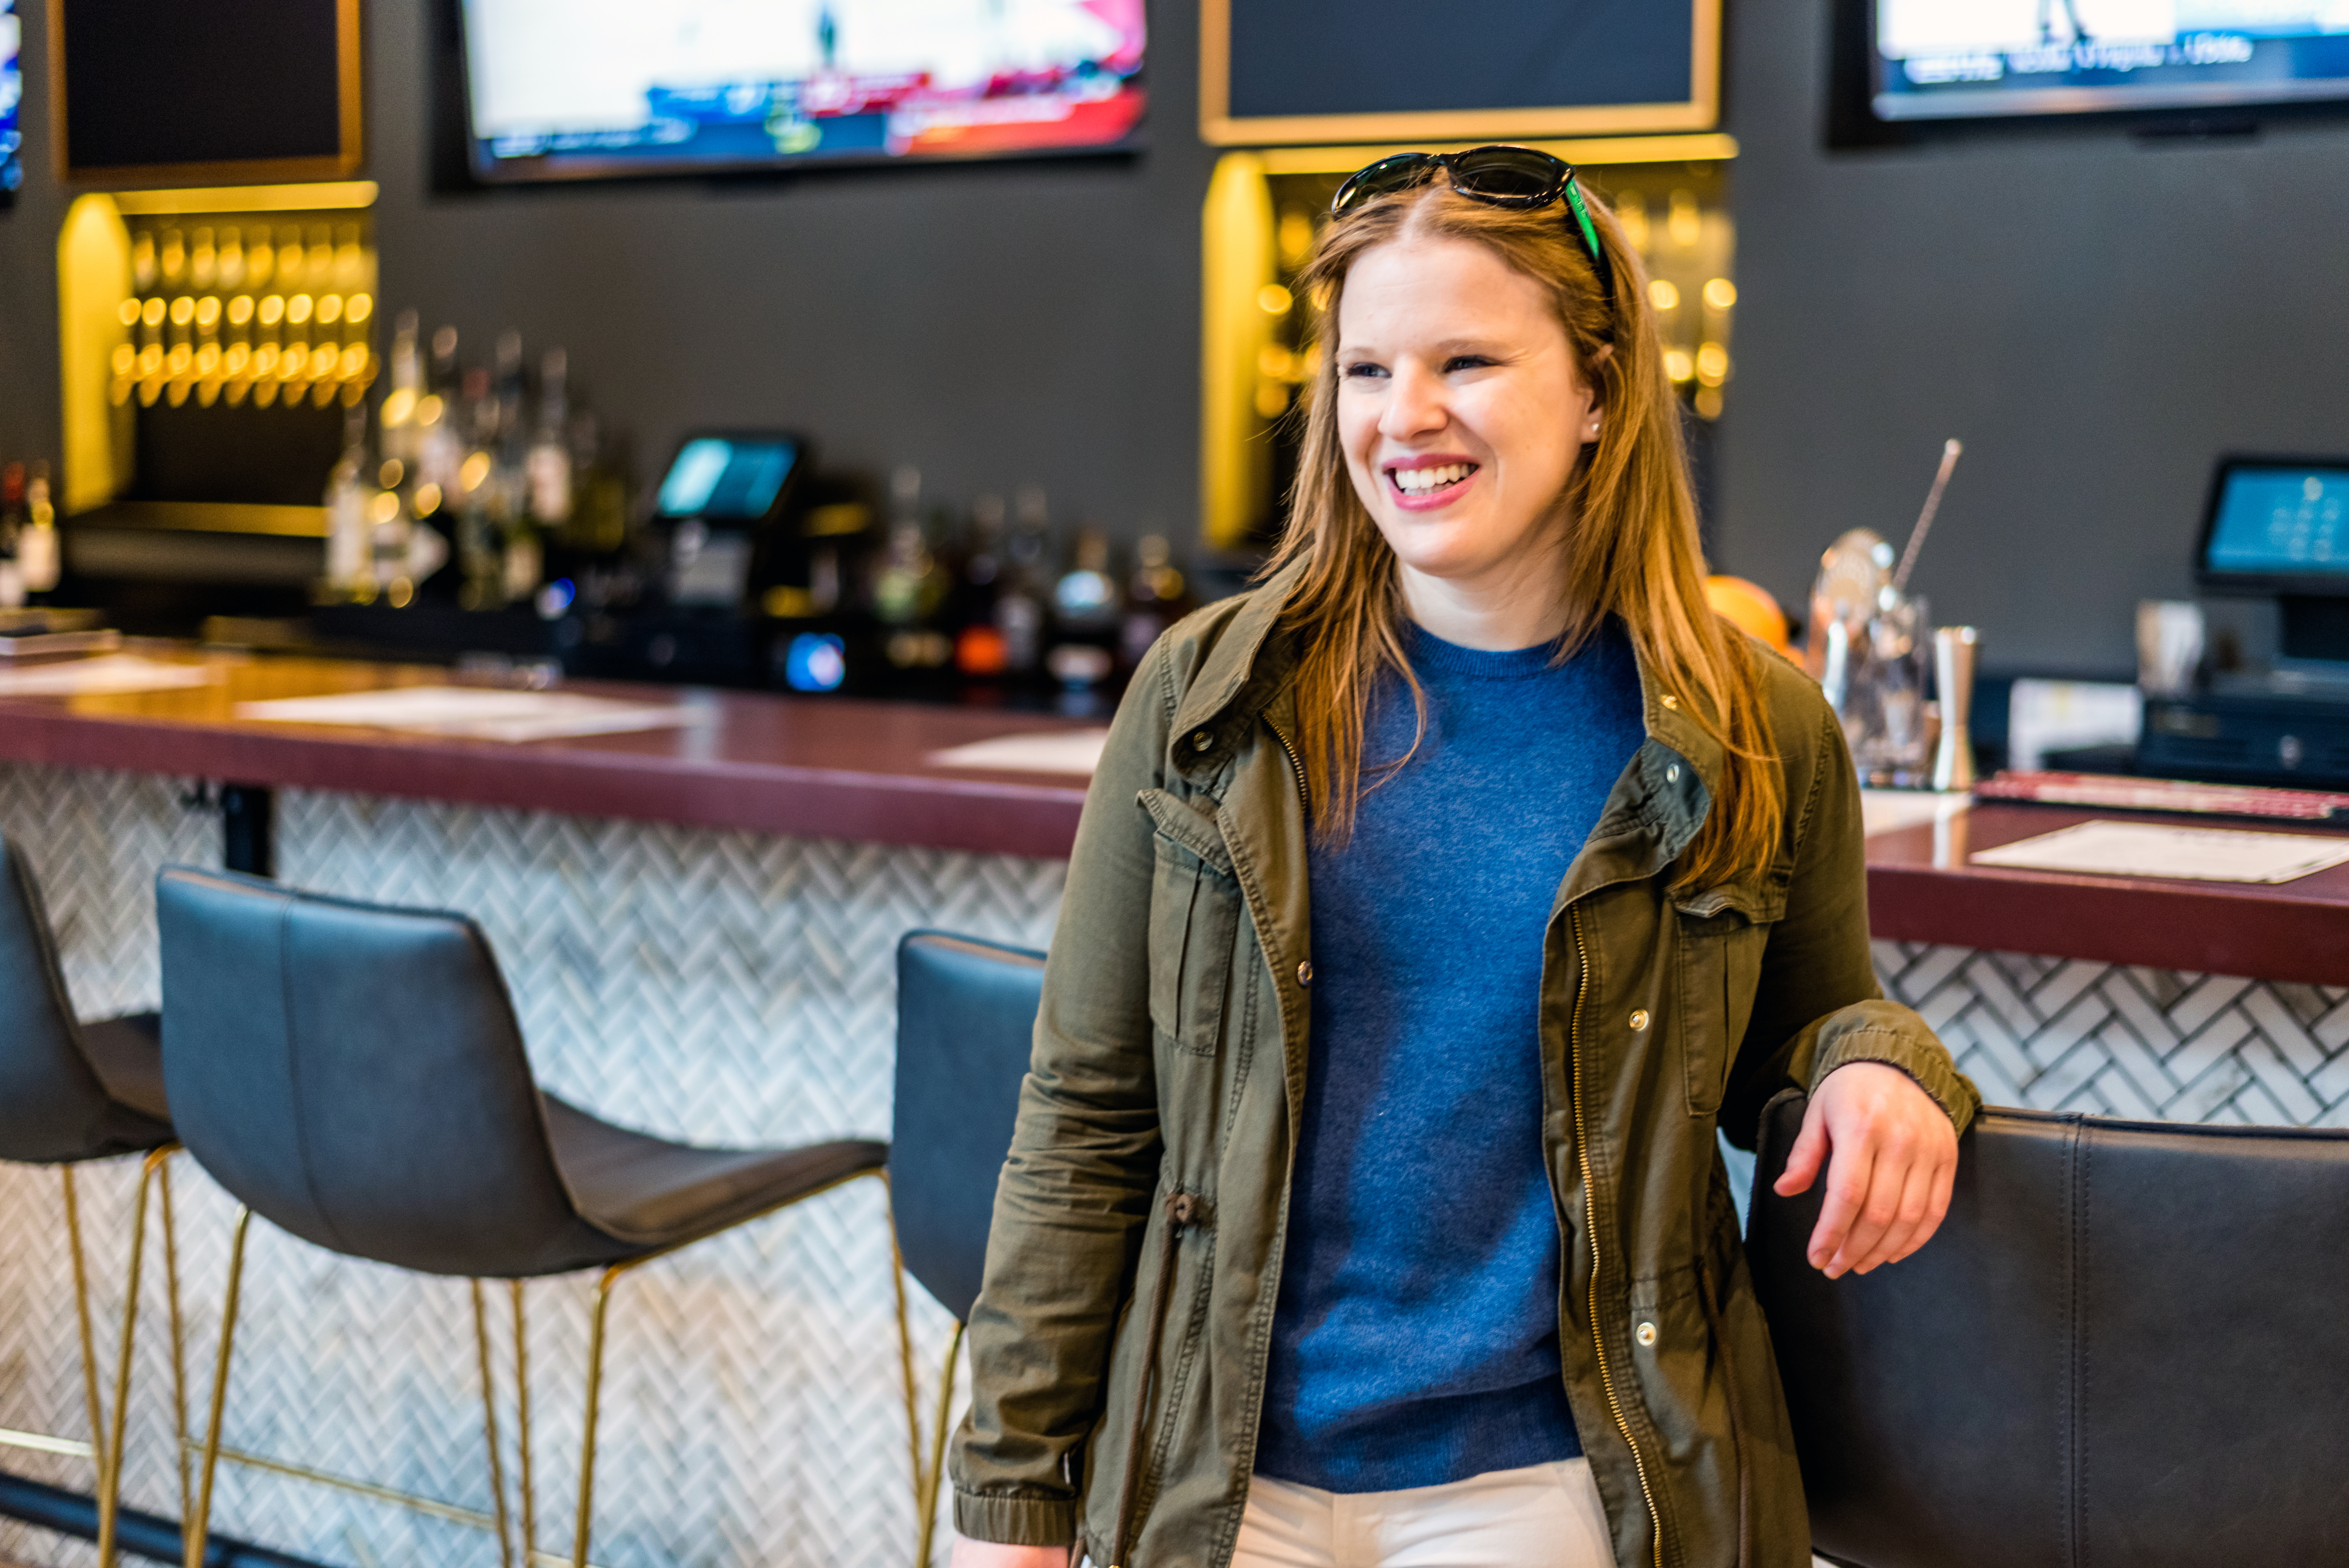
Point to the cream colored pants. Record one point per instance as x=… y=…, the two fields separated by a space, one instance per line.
x=1544 y=1516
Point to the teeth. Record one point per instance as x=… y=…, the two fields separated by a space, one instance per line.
x=1418 y=481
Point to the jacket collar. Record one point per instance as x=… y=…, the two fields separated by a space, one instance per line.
x=1658 y=804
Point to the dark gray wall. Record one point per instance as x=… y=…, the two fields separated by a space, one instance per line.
x=2097 y=319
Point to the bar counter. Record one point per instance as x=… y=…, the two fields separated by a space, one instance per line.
x=698 y=926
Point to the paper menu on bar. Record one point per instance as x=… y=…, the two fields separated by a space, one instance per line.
x=476 y=713
x=112 y=675
x=2192 y=854
x=1074 y=751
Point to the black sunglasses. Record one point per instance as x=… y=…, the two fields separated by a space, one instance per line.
x=1521 y=178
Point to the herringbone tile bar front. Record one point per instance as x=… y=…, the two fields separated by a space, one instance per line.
x=729 y=987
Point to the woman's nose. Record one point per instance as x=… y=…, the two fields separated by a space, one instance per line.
x=1414 y=403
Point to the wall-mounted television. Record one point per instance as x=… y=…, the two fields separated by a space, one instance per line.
x=12 y=98
x=1973 y=59
x=583 y=88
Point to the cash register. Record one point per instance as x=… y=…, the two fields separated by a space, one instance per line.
x=2274 y=567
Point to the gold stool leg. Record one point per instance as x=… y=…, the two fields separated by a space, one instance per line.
x=109 y=1495
x=81 y=1308
x=490 y=1425
x=522 y=1421
x=926 y=1500
x=594 y=1391
x=905 y=1371
x=194 y=1534
x=179 y=1342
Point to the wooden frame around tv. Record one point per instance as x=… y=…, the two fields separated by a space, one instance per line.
x=1700 y=110
x=259 y=170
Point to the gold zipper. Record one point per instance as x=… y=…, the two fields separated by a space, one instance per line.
x=1590 y=1224
x=1296 y=771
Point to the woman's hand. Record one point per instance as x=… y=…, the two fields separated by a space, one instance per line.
x=970 y=1554
x=1895 y=1158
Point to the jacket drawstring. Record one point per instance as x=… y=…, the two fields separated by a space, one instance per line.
x=1182 y=1211
x=1736 y=1418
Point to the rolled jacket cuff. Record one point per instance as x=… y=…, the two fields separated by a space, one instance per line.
x=1015 y=1520
x=1929 y=1064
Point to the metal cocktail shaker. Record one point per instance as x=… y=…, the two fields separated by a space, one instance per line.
x=1953 y=675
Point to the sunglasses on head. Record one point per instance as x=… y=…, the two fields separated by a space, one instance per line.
x=1520 y=177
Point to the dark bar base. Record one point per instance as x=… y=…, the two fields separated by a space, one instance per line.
x=144 y=1535
x=246 y=837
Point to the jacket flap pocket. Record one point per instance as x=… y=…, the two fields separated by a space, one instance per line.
x=1187 y=826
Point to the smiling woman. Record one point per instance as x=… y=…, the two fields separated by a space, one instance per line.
x=1435 y=902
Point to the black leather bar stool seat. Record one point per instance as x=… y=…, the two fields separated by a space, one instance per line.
x=966 y=1027
x=71 y=1092
x=355 y=1074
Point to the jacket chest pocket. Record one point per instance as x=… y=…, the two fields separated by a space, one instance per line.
x=1719 y=967
x=1194 y=910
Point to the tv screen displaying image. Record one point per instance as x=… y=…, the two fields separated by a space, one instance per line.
x=1956 y=59
x=571 y=88
x=12 y=99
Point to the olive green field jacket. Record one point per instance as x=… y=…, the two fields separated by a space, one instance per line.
x=1119 y=1343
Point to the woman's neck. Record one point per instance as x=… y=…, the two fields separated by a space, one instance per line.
x=1521 y=606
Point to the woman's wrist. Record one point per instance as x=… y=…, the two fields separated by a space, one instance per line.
x=970 y=1554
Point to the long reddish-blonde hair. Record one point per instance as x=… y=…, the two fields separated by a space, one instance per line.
x=1632 y=550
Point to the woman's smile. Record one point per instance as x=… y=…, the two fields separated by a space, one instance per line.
x=1429 y=483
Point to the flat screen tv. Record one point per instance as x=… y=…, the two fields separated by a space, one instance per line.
x=581 y=89
x=12 y=98
x=1972 y=59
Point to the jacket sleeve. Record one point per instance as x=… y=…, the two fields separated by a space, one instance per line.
x=1074 y=1195
x=1818 y=1006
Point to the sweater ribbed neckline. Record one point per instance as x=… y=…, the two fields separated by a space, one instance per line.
x=1432 y=656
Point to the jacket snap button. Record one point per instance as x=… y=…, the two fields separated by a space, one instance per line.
x=1639 y=1020
x=1202 y=741
x=1668 y=700
x=1645 y=1334
x=1672 y=774
x=1305 y=973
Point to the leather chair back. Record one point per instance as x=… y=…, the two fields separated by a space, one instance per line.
x=53 y=1106
x=354 y=1074
x=2126 y=1345
x=965 y=1023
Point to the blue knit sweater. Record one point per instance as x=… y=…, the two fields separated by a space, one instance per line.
x=1416 y=1339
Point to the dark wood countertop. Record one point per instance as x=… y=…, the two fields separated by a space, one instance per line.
x=831 y=768
x=1921 y=887
x=811 y=766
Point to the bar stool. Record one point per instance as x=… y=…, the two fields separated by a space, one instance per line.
x=965 y=1023
x=355 y=1074
x=72 y=1092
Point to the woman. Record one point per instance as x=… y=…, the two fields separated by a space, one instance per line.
x=1434 y=903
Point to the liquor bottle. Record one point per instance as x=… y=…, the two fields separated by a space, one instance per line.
x=480 y=520
x=548 y=462
x=439 y=434
x=1020 y=605
x=405 y=388
x=521 y=555
x=350 y=543
x=910 y=589
x=37 y=545
x=1155 y=598
x=1085 y=613
x=11 y=527
x=978 y=643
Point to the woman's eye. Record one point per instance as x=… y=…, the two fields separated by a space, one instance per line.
x=1363 y=371
x=1466 y=362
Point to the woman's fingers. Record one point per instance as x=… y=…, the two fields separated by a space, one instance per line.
x=1803 y=1159
x=1848 y=1175
x=1899 y=1237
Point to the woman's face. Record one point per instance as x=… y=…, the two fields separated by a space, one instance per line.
x=1460 y=408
